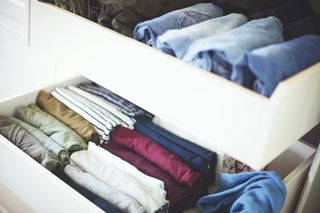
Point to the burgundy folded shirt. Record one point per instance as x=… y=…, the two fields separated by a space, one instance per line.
x=155 y=153
x=181 y=197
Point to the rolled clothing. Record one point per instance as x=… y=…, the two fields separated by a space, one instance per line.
x=156 y=154
x=267 y=63
x=120 y=180
x=77 y=123
x=288 y=12
x=246 y=192
x=148 y=31
x=98 y=201
x=115 y=100
x=176 y=42
x=55 y=148
x=120 y=200
x=50 y=126
x=247 y=6
x=198 y=158
x=219 y=53
x=180 y=197
x=28 y=144
x=125 y=120
x=301 y=27
x=123 y=15
x=102 y=122
x=155 y=186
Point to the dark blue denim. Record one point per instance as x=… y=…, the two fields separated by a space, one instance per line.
x=219 y=53
x=148 y=31
x=277 y=62
x=248 y=192
x=197 y=157
x=98 y=201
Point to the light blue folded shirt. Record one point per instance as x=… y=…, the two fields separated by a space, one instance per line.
x=248 y=192
x=176 y=42
x=274 y=63
x=218 y=53
x=148 y=31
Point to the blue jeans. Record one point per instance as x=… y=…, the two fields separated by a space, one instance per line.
x=219 y=53
x=246 y=192
x=274 y=63
x=176 y=42
x=197 y=157
x=148 y=31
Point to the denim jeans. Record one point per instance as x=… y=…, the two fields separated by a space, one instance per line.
x=219 y=53
x=274 y=63
x=148 y=31
x=246 y=192
x=176 y=42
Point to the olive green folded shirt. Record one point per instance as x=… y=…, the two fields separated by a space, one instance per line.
x=56 y=149
x=50 y=126
x=28 y=144
x=70 y=118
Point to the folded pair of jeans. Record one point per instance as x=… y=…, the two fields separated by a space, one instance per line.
x=148 y=31
x=177 y=42
x=267 y=64
x=219 y=53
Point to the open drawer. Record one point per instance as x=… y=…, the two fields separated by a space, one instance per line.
x=44 y=192
x=224 y=116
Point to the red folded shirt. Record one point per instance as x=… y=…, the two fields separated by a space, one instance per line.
x=156 y=154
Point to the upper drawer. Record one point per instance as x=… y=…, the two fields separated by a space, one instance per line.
x=222 y=116
x=13 y=14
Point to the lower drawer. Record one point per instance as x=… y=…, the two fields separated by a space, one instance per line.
x=44 y=192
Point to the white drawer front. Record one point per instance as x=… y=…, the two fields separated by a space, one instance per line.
x=14 y=15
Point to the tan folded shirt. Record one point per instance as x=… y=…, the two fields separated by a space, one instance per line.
x=67 y=116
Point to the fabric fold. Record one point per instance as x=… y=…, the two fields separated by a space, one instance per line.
x=56 y=149
x=77 y=123
x=148 y=31
x=156 y=154
x=50 y=126
x=246 y=192
x=122 y=201
x=28 y=144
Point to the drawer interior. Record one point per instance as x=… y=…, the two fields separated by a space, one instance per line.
x=292 y=165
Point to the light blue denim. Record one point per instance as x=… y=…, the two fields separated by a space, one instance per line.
x=176 y=42
x=248 y=192
x=218 y=53
x=148 y=31
x=274 y=63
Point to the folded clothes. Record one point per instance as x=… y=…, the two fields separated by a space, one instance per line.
x=81 y=126
x=219 y=53
x=267 y=63
x=101 y=203
x=198 y=158
x=154 y=186
x=122 y=201
x=176 y=42
x=50 y=126
x=179 y=196
x=55 y=148
x=304 y=26
x=248 y=6
x=27 y=143
x=120 y=103
x=125 y=120
x=103 y=121
x=246 y=192
x=116 y=178
x=156 y=154
x=148 y=31
x=287 y=12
